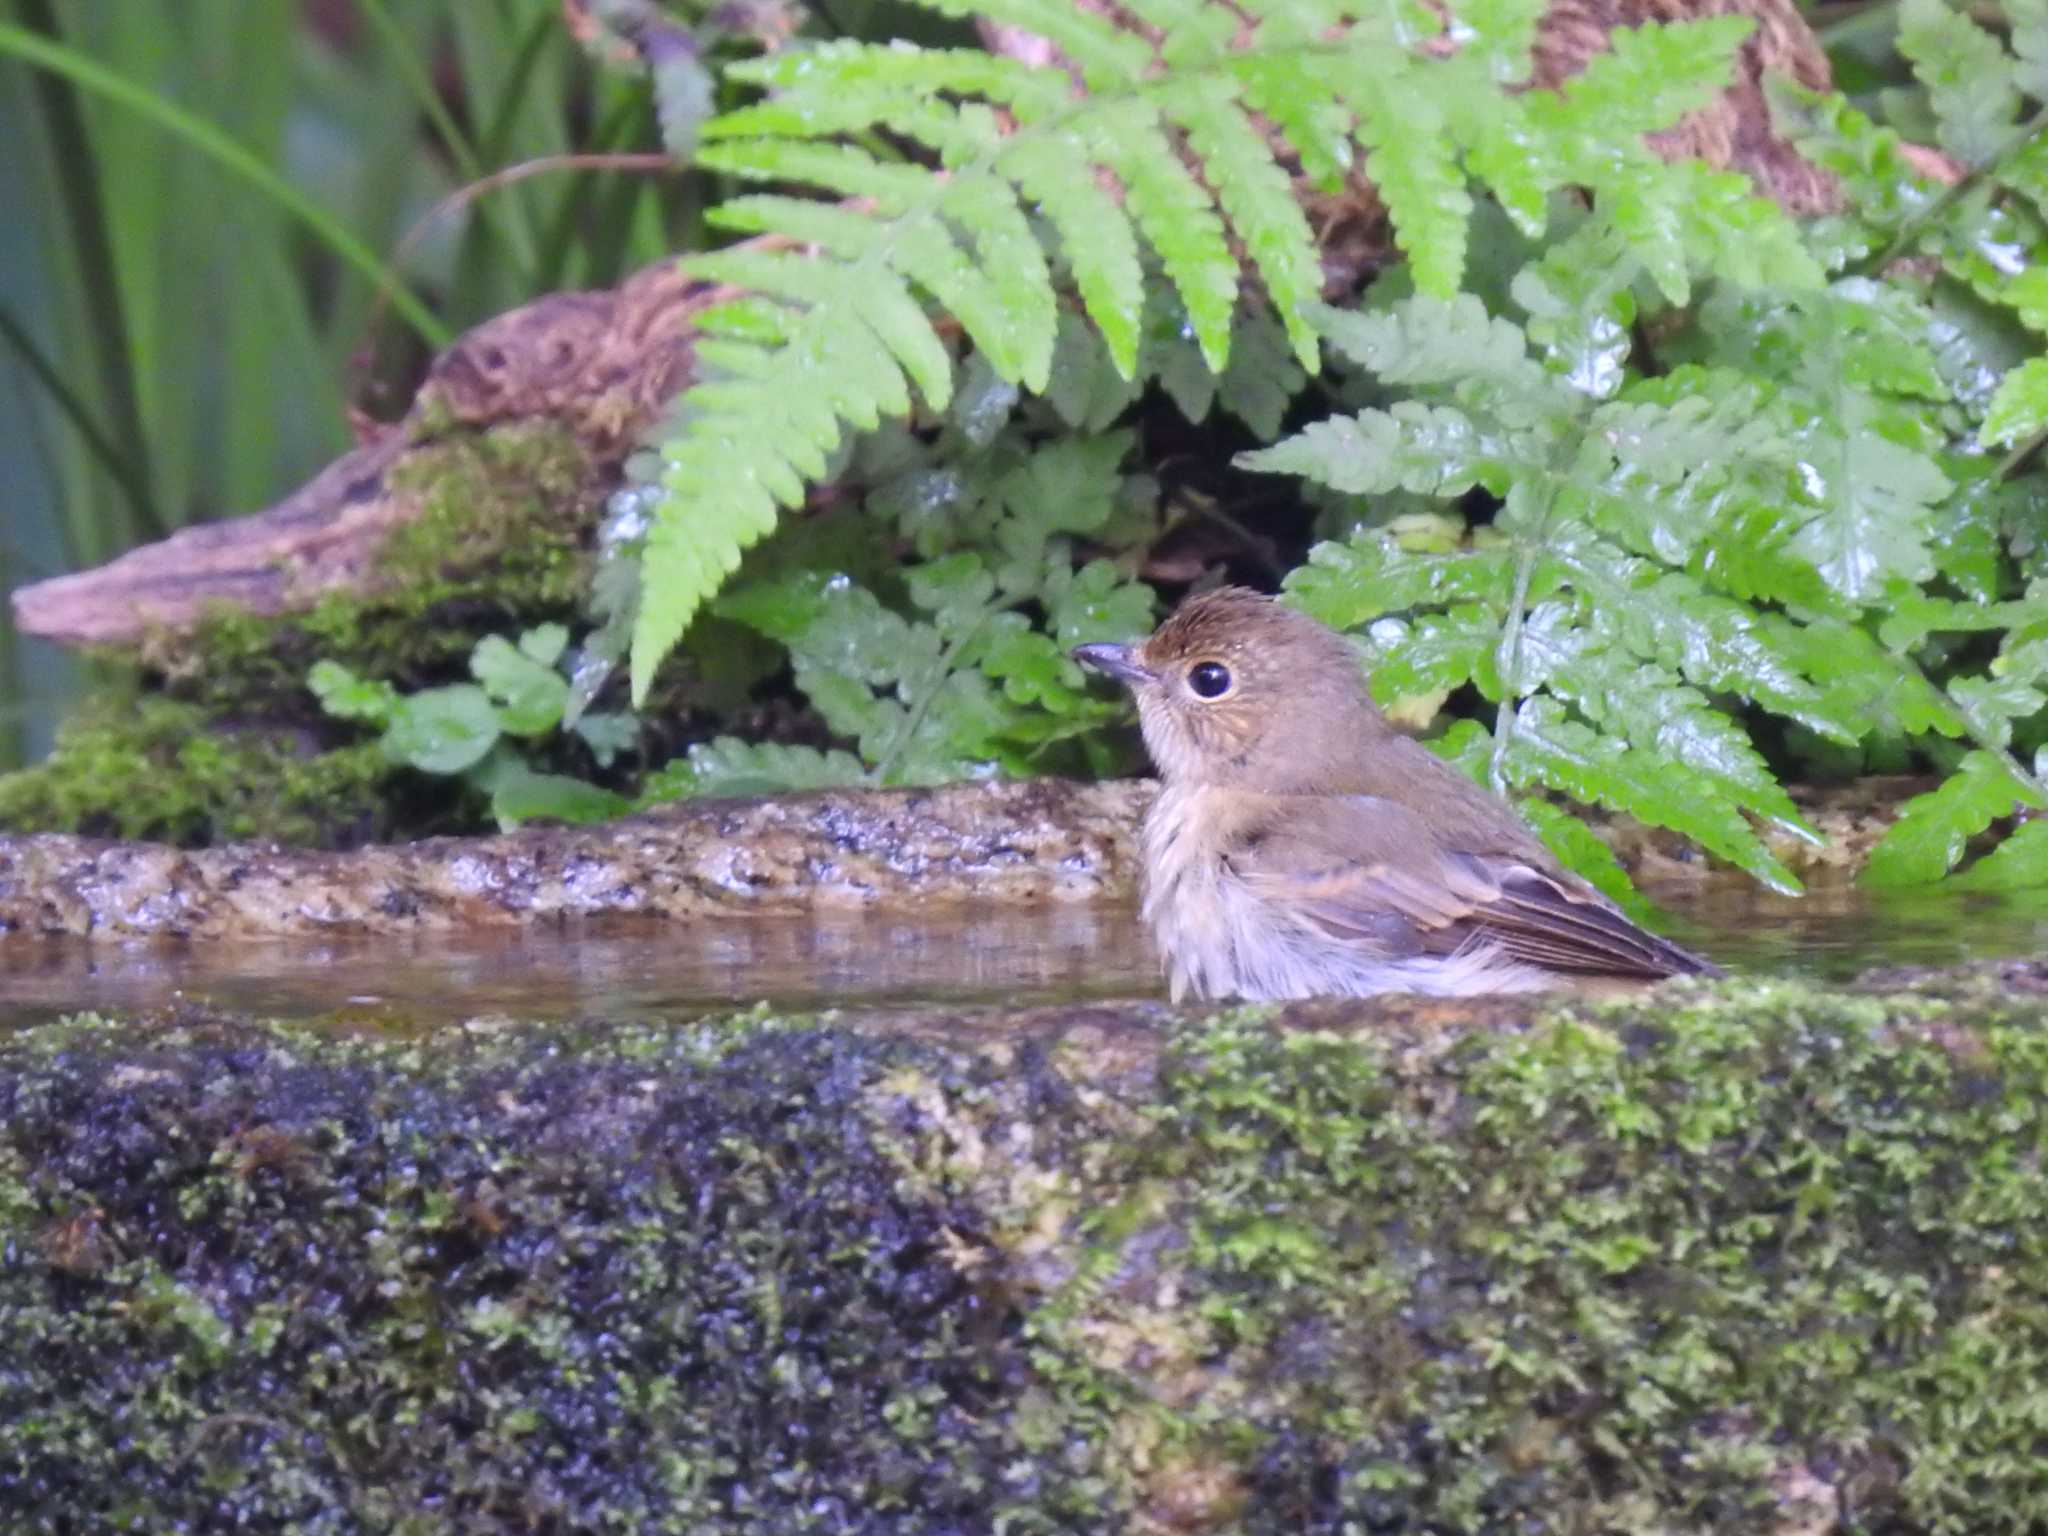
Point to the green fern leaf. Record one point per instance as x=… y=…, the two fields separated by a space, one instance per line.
x=830 y=352
x=1436 y=653
x=1177 y=218
x=1259 y=200
x=1308 y=114
x=1646 y=79
x=1414 y=167
x=1647 y=706
x=2018 y=863
x=1859 y=680
x=1430 y=450
x=1107 y=56
x=729 y=767
x=1348 y=584
x=1095 y=238
x=2029 y=38
x=1426 y=342
x=885 y=308
x=2020 y=408
x=1933 y=829
x=1885 y=191
x=1020 y=283
x=1581 y=307
x=1968 y=77
x=1191 y=32
x=1503 y=36
x=1548 y=748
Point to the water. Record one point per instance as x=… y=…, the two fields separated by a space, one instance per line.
x=1058 y=955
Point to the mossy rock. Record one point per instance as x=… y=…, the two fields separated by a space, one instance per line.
x=502 y=541
x=1738 y=1257
x=228 y=744
x=165 y=771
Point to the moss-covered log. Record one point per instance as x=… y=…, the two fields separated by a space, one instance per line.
x=1739 y=1258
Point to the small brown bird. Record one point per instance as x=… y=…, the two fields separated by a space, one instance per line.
x=1303 y=847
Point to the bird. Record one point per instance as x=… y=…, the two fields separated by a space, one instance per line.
x=1302 y=846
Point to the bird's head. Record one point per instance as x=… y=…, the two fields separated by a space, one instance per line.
x=1236 y=689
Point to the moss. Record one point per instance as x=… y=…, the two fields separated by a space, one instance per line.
x=1660 y=1265
x=1716 y=1259
x=235 y=748
x=662 y=1282
x=500 y=543
x=159 y=769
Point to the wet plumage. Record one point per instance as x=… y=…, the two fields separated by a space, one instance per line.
x=1301 y=846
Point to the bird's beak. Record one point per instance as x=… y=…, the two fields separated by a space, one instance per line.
x=1119 y=661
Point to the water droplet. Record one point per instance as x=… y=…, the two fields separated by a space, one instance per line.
x=627 y=514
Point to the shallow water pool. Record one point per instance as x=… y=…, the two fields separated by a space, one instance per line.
x=1007 y=958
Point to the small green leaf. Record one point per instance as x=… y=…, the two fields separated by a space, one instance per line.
x=544 y=643
x=348 y=697
x=518 y=794
x=530 y=694
x=442 y=730
x=1969 y=79
x=2020 y=408
x=728 y=767
x=609 y=735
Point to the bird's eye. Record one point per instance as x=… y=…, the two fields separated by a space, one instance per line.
x=1209 y=679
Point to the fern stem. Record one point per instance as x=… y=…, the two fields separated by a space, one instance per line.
x=1508 y=660
x=2021 y=452
x=1910 y=232
x=948 y=659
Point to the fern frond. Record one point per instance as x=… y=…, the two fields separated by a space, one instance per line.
x=1413 y=164
x=1969 y=80
x=1029 y=173
x=1554 y=751
x=1928 y=839
x=726 y=766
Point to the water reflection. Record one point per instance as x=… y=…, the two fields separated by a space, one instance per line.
x=1055 y=955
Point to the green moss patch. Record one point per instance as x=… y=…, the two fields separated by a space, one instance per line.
x=233 y=747
x=1721 y=1258
x=500 y=542
x=162 y=770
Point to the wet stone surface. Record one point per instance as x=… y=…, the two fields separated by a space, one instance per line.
x=989 y=845
x=983 y=846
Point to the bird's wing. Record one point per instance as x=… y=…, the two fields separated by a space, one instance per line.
x=1365 y=870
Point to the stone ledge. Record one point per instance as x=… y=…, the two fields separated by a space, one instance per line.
x=1010 y=845
x=1733 y=1257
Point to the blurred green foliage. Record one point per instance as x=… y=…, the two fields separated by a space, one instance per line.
x=177 y=345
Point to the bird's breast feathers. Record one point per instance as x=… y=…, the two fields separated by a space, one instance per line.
x=1221 y=936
